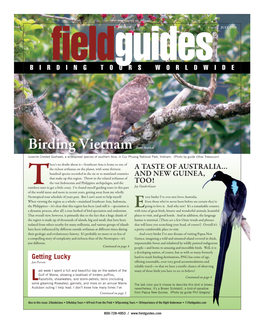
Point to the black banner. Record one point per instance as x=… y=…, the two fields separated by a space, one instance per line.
x=134 y=67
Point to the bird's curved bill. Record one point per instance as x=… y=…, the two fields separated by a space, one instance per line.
x=206 y=183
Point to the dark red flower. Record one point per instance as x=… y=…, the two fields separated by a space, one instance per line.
x=142 y=23
x=139 y=16
x=104 y=15
x=124 y=16
x=131 y=31
x=152 y=17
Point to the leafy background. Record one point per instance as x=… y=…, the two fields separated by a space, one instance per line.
x=80 y=103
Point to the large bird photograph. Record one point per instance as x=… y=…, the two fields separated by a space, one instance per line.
x=231 y=216
x=129 y=104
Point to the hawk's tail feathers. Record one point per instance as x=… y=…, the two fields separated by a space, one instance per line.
x=115 y=131
x=224 y=243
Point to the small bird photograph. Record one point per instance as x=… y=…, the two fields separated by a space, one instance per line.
x=231 y=216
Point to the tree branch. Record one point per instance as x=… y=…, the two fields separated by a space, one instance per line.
x=213 y=82
x=58 y=17
x=195 y=112
x=172 y=114
x=189 y=85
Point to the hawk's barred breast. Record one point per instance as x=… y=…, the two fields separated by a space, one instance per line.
x=129 y=104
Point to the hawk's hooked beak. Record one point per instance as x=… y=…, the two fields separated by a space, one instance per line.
x=152 y=82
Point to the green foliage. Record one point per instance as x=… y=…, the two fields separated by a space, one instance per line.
x=24 y=38
x=235 y=47
x=20 y=87
x=79 y=104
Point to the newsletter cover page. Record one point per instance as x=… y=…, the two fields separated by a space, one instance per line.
x=132 y=128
